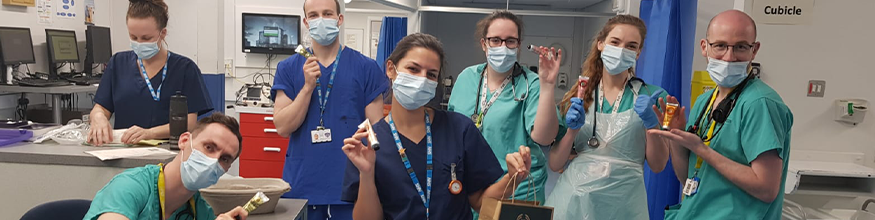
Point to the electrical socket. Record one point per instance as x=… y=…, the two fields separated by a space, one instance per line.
x=229 y=68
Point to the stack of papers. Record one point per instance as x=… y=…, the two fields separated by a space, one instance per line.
x=113 y=154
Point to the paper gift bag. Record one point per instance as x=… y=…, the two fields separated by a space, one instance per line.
x=494 y=209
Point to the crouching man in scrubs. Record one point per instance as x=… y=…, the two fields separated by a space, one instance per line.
x=732 y=156
x=170 y=191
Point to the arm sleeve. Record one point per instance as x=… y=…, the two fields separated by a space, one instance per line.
x=765 y=126
x=103 y=96
x=196 y=90
x=482 y=167
x=376 y=82
x=284 y=81
x=123 y=195
x=350 y=183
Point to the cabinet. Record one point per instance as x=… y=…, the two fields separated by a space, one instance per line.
x=264 y=151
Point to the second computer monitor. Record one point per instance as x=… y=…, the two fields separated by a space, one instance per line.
x=16 y=46
x=62 y=46
x=98 y=44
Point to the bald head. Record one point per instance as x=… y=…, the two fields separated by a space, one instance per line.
x=733 y=21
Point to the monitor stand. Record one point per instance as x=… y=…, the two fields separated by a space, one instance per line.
x=6 y=74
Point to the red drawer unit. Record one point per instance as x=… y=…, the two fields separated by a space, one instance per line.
x=264 y=151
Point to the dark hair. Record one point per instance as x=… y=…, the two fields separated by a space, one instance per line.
x=336 y=7
x=483 y=24
x=417 y=40
x=149 y=9
x=229 y=122
x=593 y=66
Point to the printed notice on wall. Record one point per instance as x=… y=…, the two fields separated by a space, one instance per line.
x=44 y=11
x=89 y=12
x=66 y=9
x=786 y=12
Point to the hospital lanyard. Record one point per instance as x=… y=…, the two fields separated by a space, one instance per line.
x=324 y=102
x=155 y=96
x=709 y=135
x=161 y=194
x=426 y=199
x=483 y=106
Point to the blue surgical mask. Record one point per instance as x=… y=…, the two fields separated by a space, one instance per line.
x=145 y=50
x=727 y=74
x=501 y=59
x=323 y=30
x=199 y=171
x=412 y=92
x=617 y=59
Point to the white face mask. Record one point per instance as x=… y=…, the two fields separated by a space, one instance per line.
x=412 y=92
x=617 y=59
x=727 y=74
x=199 y=171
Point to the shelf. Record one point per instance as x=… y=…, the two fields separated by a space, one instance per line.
x=828 y=179
x=831 y=169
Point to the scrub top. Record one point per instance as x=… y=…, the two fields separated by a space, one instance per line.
x=455 y=140
x=315 y=171
x=508 y=123
x=628 y=100
x=759 y=122
x=124 y=92
x=134 y=194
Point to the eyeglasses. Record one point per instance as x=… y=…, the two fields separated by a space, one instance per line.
x=511 y=42
x=719 y=49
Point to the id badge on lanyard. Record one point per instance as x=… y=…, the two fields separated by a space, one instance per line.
x=691 y=187
x=322 y=134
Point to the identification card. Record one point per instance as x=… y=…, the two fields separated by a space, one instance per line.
x=692 y=186
x=321 y=135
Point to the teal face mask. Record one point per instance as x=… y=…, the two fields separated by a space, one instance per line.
x=145 y=50
x=199 y=171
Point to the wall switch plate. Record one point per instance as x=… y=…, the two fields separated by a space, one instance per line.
x=229 y=67
x=816 y=88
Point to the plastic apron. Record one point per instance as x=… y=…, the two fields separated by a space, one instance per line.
x=606 y=182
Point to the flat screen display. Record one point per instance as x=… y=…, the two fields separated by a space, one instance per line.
x=271 y=33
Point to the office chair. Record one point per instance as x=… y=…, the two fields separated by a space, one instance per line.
x=72 y=209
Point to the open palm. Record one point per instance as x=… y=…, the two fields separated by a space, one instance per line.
x=548 y=69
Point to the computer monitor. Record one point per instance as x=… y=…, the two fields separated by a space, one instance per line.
x=271 y=33
x=62 y=47
x=16 y=46
x=98 y=47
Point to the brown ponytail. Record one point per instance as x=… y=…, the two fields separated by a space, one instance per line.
x=593 y=66
x=149 y=9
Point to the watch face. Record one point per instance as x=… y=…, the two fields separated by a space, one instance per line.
x=455 y=187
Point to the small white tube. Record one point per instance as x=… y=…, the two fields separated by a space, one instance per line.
x=372 y=138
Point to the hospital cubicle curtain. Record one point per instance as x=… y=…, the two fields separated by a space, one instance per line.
x=215 y=84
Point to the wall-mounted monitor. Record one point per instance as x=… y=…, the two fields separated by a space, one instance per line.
x=271 y=33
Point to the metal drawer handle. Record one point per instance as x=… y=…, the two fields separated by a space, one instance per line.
x=270 y=130
x=272 y=149
x=268 y=118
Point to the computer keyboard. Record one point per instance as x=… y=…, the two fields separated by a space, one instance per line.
x=42 y=82
x=85 y=80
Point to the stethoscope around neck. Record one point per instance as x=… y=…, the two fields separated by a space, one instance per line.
x=517 y=70
x=593 y=141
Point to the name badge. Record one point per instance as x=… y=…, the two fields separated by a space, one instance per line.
x=321 y=135
x=692 y=186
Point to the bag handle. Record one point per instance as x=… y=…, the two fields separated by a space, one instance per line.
x=866 y=204
x=530 y=191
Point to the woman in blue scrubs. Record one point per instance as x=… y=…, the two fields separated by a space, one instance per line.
x=434 y=164
x=137 y=84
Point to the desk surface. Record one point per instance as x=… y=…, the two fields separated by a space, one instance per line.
x=57 y=154
x=286 y=209
x=49 y=90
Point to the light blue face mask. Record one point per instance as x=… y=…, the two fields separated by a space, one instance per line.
x=501 y=59
x=323 y=30
x=727 y=74
x=199 y=171
x=412 y=92
x=617 y=59
x=145 y=50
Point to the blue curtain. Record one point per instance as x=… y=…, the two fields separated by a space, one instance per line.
x=667 y=61
x=391 y=32
x=215 y=84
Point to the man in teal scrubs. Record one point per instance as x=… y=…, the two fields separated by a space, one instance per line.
x=732 y=160
x=171 y=191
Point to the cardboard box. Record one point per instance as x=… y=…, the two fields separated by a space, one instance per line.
x=26 y=3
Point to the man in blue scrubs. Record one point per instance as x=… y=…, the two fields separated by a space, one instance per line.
x=319 y=101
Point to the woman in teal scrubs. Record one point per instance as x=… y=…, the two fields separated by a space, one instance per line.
x=511 y=105
x=607 y=122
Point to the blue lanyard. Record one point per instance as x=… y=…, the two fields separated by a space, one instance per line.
x=428 y=163
x=155 y=95
x=323 y=102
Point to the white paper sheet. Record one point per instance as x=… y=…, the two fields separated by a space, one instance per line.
x=113 y=154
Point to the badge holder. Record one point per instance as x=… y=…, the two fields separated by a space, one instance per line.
x=691 y=187
x=321 y=135
x=455 y=185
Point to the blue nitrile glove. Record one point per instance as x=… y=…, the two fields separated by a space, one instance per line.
x=643 y=107
x=575 y=117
